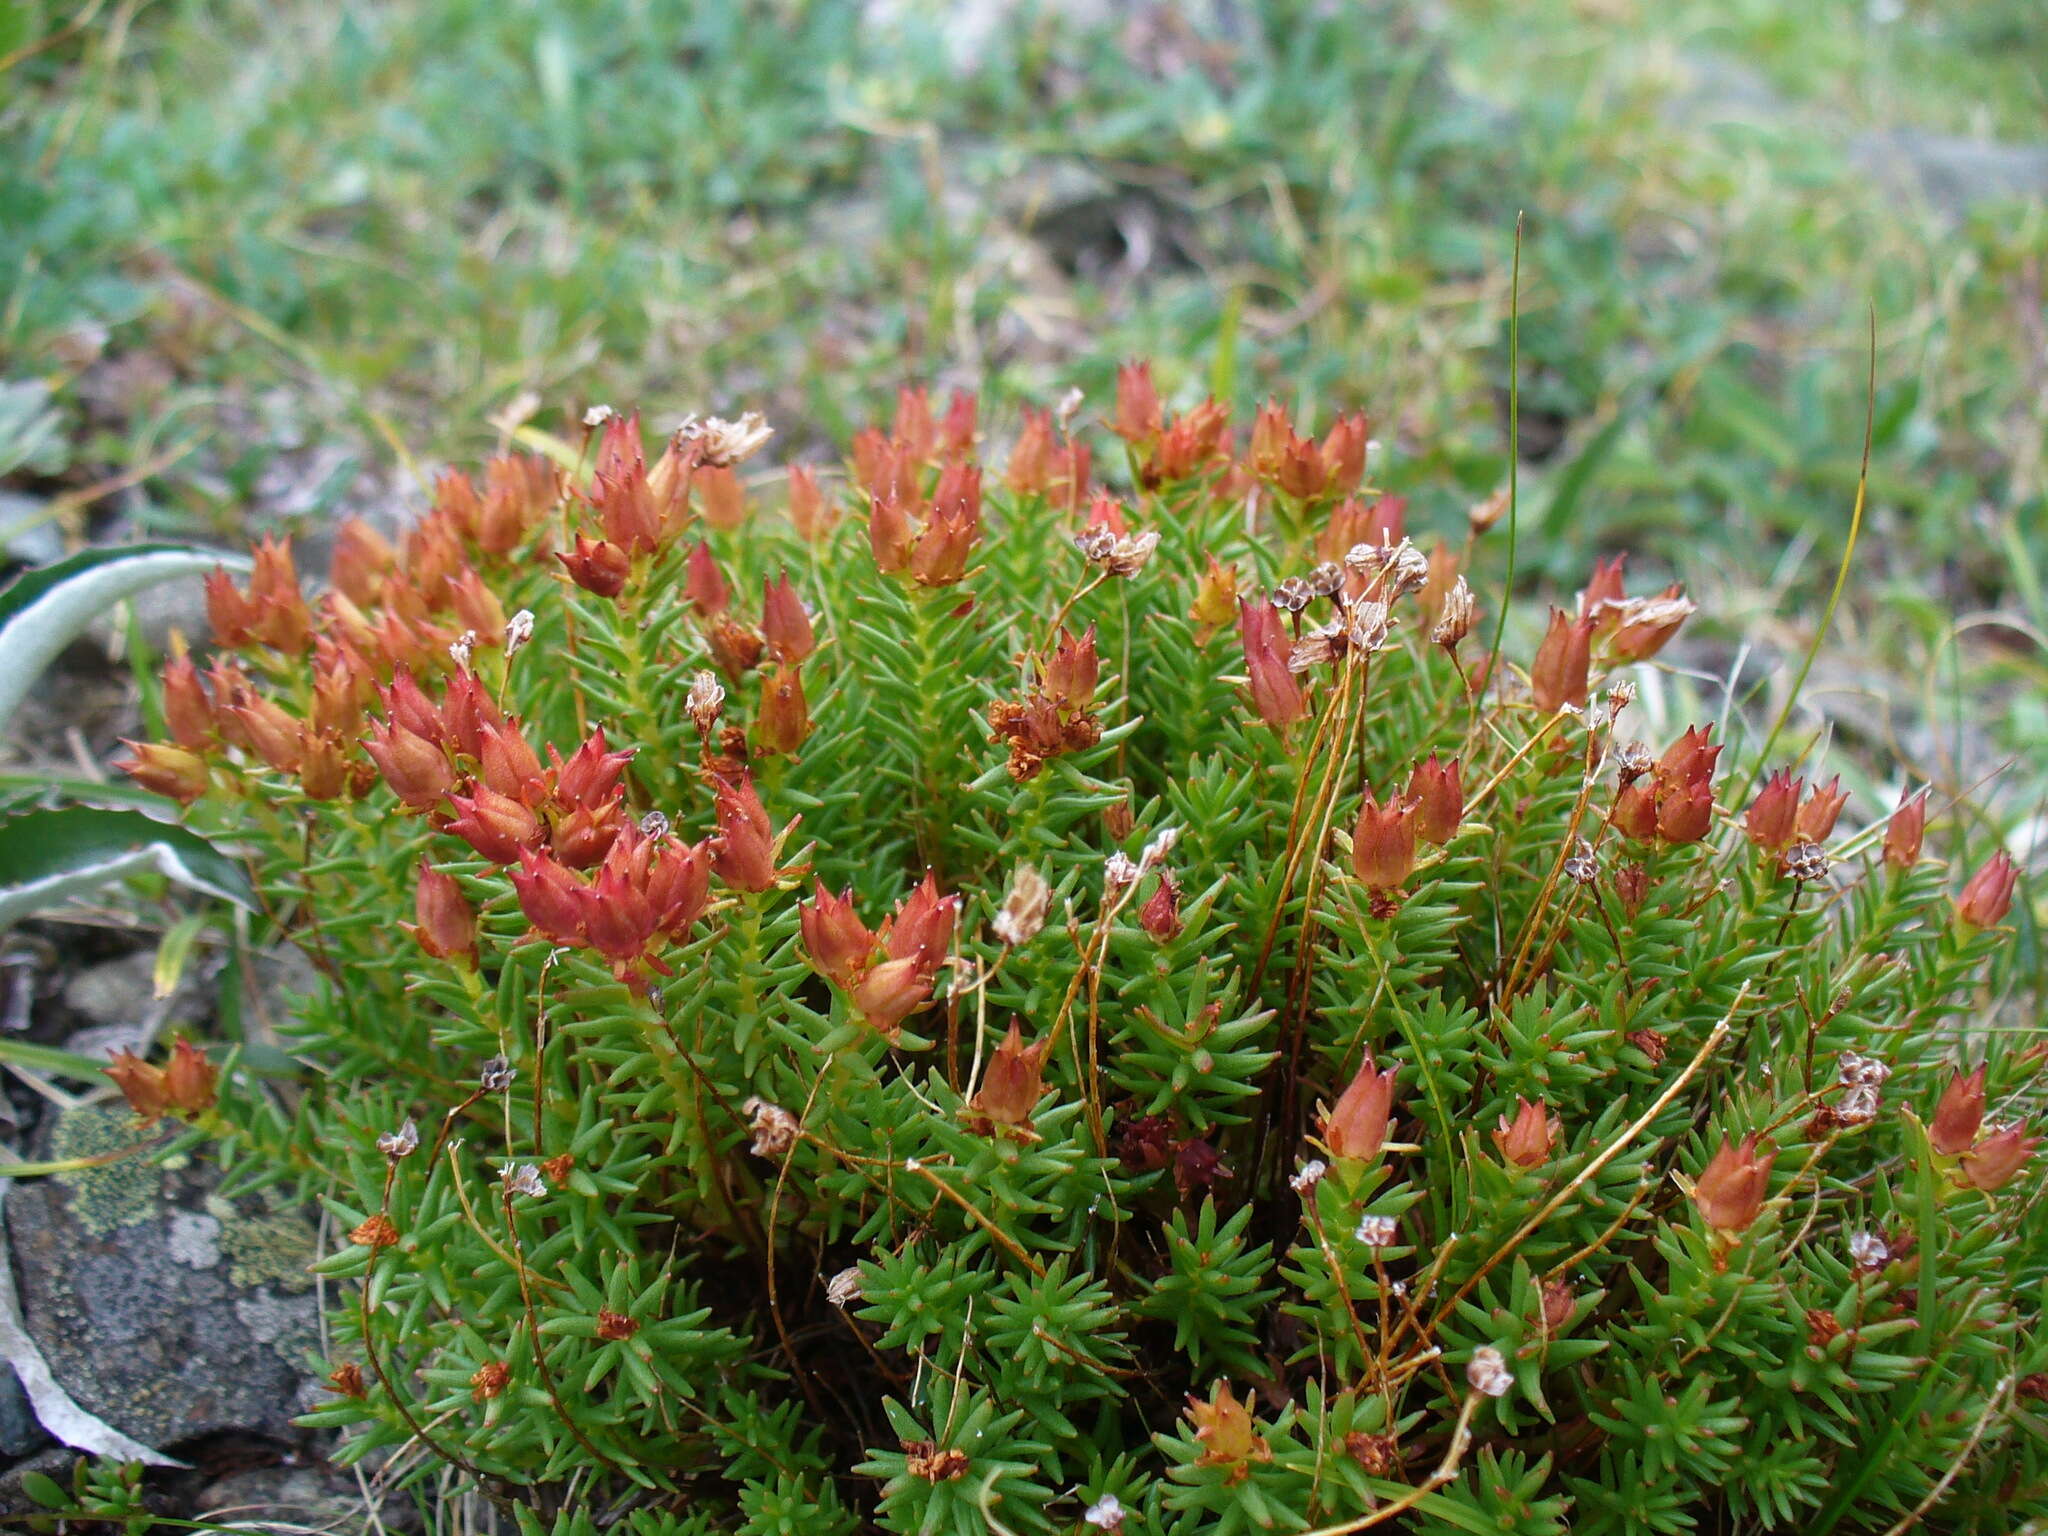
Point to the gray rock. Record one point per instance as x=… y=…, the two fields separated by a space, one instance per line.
x=19 y=1431
x=163 y=1309
x=1952 y=173
x=301 y=1498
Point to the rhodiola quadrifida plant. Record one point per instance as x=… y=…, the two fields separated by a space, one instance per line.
x=956 y=1000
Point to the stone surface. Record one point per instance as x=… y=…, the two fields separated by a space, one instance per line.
x=163 y=1309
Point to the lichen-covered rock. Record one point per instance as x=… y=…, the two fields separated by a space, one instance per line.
x=162 y=1308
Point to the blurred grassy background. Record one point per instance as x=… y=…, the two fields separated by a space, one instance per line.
x=270 y=262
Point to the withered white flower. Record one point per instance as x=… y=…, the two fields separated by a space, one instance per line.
x=706 y=701
x=725 y=443
x=1455 y=621
x=844 y=1287
x=1022 y=913
x=518 y=630
x=402 y=1142
x=523 y=1179
x=774 y=1128
x=1377 y=1231
x=1309 y=1175
x=1488 y=1372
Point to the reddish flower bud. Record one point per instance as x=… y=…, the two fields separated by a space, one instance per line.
x=1014 y=1082
x=1685 y=812
x=1731 y=1188
x=891 y=992
x=509 y=765
x=1438 y=791
x=785 y=718
x=1648 y=623
x=1138 y=413
x=1635 y=811
x=743 y=848
x=268 y=731
x=1902 y=835
x=913 y=428
x=447 y=923
x=477 y=606
x=785 y=623
x=1216 y=599
x=837 y=942
x=618 y=919
x=1527 y=1141
x=407 y=707
x=141 y=1084
x=1193 y=444
x=1344 y=453
x=922 y=927
x=497 y=826
x=1773 y=817
x=678 y=885
x=721 y=498
x=957 y=431
x=1029 y=472
x=1071 y=674
x=1991 y=1164
x=584 y=836
x=228 y=612
x=191 y=1082
x=466 y=714
x=1272 y=435
x=324 y=768
x=550 y=896
x=1817 y=816
x=597 y=565
x=1690 y=759
x=1302 y=473
x=891 y=536
x=282 y=621
x=520 y=490
x=1225 y=1428
x=1357 y=1126
x=165 y=770
x=590 y=777
x=1558 y=675
x=188 y=713
x=808 y=509
x=1276 y=693
x=940 y=556
x=1383 y=843
x=704 y=583
x=1988 y=895
x=1160 y=915
x=416 y=769
x=1959 y=1115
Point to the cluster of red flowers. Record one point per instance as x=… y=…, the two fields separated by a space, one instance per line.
x=1983 y=1161
x=1672 y=800
x=640 y=511
x=1055 y=715
x=1431 y=809
x=931 y=536
x=1162 y=451
x=886 y=976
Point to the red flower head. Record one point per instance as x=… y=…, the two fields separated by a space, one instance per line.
x=721 y=498
x=1988 y=895
x=704 y=583
x=743 y=848
x=1011 y=1088
x=1357 y=1126
x=1383 y=844
x=1959 y=1115
x=550 y=896
x=1773 y=817
x=922 y=928
x=836 y=940
x=508 y=763
x=597 y=565
x=1139 y=416
x=1070 y=675
x=1731 y=1188
x=891 y=535
x=891 y=991
x=497 y=826
x=1903 y=833
x=1276 y=693
x=1439 y=797
x=1817 y=816
x=447 y=923
x=808 y=509
x=1527 y=1140
x=1604 y=589
x=590 y=778
x=678 y=885
x=416 y=769
x=1160 y=915
x=785 y=624
x=785 y=717
x=409 y=708
x=228 y=612
x=618 y=919
x=1558 y=675
x=1991 y=1164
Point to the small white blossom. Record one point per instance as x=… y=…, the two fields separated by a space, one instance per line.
x=462 y=647
x=1488 y=1372
x=1157 y=851
x=1119 y=871
x=1068 y=408
x=1106 y=1513
x=598 y=415
x=1377 y=1231
x=1867 y=1071
x=1310 y=1176
x=1868 y=1251
x=706 y=701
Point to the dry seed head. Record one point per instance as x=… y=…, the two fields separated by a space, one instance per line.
x=654 y=825
x=1159 y=849
x=1119 y=872
x=1096 y=543
x=1024 y=906
x=1127 y=556
x=495 y=1075
x=1292 y=595
x=706 y=701
x=844 y=1287
x=1326 y=578
x=1484 y=514
x=1636 y=759
x=402 y=1142
x=518 y=630
x=1806 y=862
x=1860 y=1071
x=523 y=1179
x=774 y=1128
x=462 y=648
x=1457 y=618
x=1407 y=568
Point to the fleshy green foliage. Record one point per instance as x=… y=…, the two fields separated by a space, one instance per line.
x=947 y=1098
